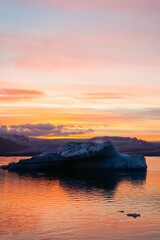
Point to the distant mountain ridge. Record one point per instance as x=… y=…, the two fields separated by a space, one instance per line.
x=7 y=145
x=118 y=138
x=21 y=145
x=20 y=139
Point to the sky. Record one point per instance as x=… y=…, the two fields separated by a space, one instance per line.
x=80 y=68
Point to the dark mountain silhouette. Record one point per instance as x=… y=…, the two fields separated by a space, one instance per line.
x=9 y=146
x=26 y=146
x=131 y=145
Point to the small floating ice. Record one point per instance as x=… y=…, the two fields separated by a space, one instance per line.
x=134 y=215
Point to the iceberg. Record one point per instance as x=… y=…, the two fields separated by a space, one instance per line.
x=42 y=161
x=100 y=155
x=85 y=155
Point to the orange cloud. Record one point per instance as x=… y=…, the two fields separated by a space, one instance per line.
x=104 y=95
x=11 y=94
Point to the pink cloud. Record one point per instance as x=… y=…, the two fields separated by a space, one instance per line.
x=44 y=53
x=11 y=94
x=47 y=53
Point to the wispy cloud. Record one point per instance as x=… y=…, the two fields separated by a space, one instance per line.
x=147 y=113
x=49 y=52
x=11 y=94
x=104 y=95
x=43 y=53
x=43 y=129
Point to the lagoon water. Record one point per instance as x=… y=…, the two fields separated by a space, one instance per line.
x=80 y=205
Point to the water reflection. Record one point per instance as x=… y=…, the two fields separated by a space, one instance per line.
x=79 y=205
x=89 y=180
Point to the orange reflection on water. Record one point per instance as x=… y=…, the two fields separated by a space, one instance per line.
x=79 y=206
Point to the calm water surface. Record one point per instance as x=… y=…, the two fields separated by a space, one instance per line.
x=80 y=205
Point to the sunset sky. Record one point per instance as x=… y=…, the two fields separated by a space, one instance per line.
x=80 y=68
